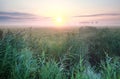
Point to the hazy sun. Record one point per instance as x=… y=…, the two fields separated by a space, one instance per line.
x=59 y=20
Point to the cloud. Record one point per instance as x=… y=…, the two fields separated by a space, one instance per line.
x=99 y=15
x=15 y=14
x=18 y=17
x=99 y=19
x=88 y=22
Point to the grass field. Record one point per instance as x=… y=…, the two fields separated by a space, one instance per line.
x=68 y=53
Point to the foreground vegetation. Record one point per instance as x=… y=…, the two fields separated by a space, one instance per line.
x=87 y=53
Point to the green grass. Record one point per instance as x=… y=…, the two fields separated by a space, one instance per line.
x=84 y=53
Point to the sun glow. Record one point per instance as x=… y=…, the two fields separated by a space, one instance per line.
x=59 y=20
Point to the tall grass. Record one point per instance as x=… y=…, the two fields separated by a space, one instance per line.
x=87 y=54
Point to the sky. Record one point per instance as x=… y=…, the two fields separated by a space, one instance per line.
x=72 y=12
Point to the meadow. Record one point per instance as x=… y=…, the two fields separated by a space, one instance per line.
x=54 y=53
